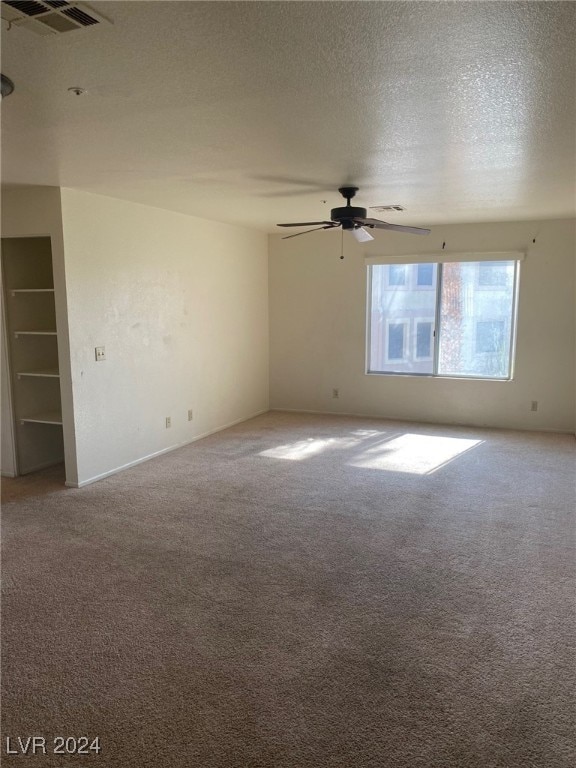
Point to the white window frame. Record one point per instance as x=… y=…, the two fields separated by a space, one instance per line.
x=439 y=259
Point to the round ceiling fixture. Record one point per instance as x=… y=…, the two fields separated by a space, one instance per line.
x=7 y=86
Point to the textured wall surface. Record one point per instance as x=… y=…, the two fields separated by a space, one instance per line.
x=180 y=305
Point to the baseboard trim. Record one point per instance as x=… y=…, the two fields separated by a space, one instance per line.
x=423 y=421
x=170 y=448
x=8 y=474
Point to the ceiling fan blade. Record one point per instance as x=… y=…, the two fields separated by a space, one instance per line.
x=361 y=235
x=308 y=224
x=377 y=224
x=330 y=226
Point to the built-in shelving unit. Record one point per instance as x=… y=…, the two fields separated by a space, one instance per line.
x=33 y=351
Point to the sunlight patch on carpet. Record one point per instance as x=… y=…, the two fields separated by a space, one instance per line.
x=304 y=449
x=415 y=454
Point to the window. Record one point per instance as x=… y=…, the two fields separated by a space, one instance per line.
x=492 y=273
x=424 y=330
x=425 y=274
x=397 y=274
x=462 y=326
x=396 y=341
x=489 y=336
x=395 y=349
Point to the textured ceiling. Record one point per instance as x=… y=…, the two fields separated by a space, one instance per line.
x=255 y=112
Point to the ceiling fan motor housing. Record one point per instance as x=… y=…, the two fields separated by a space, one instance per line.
x=346 y=214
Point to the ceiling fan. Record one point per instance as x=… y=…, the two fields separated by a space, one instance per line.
x=353 y=220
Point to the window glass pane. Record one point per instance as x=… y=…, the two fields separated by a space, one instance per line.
x=489 y=335
x=397 y=274
x=425 y=274
x=396 y=314
x=492 y=273
x=476 y=319
x=423 y=339
x=396 y=341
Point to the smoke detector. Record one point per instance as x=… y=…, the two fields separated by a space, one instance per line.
x=50 y=17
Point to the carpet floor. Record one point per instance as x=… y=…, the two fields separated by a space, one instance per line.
x=299 y=591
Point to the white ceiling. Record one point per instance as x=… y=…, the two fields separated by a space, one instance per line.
x=255 y=112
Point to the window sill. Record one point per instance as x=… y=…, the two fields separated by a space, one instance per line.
x=437 y=376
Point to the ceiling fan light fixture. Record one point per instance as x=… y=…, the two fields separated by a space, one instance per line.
x=360 y=235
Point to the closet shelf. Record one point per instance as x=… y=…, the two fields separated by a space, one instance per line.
x=14 y=291
x=34 y=333
x=50 y=417
x=47 y=373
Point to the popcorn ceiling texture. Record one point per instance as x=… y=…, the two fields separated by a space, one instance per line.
x=268 y=597
x=253 y=113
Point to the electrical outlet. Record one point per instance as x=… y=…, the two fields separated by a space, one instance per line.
x=336 y=394
x=190 y=415
x=534 y=406
x=100 y=353
x=168 y=422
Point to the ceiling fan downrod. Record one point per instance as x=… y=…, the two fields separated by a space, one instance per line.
x=348 y=193
x=346 y=213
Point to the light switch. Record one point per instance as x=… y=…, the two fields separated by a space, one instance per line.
x=100 y=354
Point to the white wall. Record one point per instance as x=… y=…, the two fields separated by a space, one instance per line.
x=36 y=212
x=318 y=325
x=180 y=305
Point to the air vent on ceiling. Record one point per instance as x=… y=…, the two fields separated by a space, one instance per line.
x=387 y=208
x=50 y=17
x=31 y=8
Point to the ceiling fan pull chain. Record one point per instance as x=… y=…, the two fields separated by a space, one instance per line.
x=341 y=243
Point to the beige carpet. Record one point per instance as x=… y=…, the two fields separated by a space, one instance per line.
x=300 y=592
